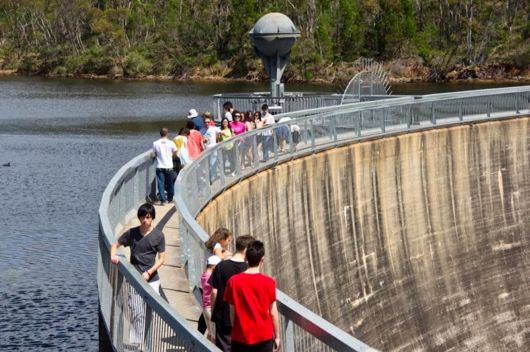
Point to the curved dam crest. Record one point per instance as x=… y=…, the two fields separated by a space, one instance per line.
x=417 y=242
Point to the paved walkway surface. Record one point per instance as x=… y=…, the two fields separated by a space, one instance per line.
x=173 y=279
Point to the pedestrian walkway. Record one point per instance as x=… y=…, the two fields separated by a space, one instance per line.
x=174 y=283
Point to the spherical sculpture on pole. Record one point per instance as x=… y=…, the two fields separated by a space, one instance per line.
x=274 y=35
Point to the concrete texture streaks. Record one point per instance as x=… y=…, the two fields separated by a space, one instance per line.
x=417 y=242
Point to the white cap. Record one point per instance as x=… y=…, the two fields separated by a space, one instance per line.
x=192 y=113
x=214 y=260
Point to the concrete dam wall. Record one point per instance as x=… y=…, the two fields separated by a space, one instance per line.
x=418 y=242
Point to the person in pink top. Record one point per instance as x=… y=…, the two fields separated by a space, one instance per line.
x=237 y=125
x=195 y=146
x=207 y=294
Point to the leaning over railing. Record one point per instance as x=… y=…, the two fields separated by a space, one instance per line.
x=307 y=132
x=163 y=329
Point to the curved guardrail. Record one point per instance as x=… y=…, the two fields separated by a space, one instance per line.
x=163 y=328
x=320 y=129
x=206 y=177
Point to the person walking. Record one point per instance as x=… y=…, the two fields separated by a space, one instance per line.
x=164 y=150
x=146 y=244
x=268 y=120
x=207 y=295
x=218 y=280
x=253 y=311
x=229 y=150
x=210 y=136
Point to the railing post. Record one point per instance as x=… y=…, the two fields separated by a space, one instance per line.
x=383 y=120
x=334 y=128
x=148 y=338
x=274 y=144
x=221 y=165
x=312 y=131
x=237 y=167
x=433 y=118
x=290 y=137
x=289 y=336
x=358 y=124
x=255 y=153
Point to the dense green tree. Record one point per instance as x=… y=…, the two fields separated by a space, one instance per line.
x=181 y=37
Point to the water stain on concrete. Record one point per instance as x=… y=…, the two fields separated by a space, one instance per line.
x=417 y=242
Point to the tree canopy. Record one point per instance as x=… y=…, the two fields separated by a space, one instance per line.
x=187 y=38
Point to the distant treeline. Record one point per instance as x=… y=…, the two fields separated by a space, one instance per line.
x=209 y=38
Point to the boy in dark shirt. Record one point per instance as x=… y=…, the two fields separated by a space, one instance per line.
x=146 y=242
x=220 y=310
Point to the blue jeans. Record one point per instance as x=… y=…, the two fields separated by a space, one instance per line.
x=267 y=144
x=212 y=166
x=166 y=183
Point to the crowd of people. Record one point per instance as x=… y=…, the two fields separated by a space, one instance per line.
x=202 y=133
x=239 y=302
x=240 y=312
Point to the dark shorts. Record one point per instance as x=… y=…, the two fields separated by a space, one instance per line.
x=264 y=346
x=296 y=137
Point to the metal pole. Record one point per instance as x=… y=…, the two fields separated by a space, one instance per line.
x=334 y=128
x=358 y=124
x=289 y=336
x=433 y=118
x=383 y=120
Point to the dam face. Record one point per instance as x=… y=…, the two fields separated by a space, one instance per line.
x=418 y=242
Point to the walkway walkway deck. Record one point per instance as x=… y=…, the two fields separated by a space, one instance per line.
x=174 y=281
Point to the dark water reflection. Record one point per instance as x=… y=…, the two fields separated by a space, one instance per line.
x=50 y=197
x=64 y=140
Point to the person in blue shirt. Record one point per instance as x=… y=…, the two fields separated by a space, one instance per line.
x=198 y=120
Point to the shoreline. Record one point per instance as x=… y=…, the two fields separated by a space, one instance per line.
x=209 y=78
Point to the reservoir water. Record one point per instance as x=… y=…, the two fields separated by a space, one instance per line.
x=63 y=140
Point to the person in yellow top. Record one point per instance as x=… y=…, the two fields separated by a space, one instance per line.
x=226 y=133
x=182 y=156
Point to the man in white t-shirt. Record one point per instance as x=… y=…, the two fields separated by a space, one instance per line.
x=165 y=177
x=268 y=120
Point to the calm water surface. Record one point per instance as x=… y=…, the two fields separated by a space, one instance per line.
x=64 y=139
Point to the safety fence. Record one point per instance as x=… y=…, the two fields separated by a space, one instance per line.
x=130 y=309
x=292 y=101
x=307 y=132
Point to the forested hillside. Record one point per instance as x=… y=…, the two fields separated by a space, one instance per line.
x=424 y=39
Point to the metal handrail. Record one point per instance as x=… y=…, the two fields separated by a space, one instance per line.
x=164 y=328
x=320 y=129
x=324 y=128
x=290 y=101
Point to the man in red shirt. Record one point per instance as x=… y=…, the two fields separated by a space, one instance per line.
x=253 y=310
